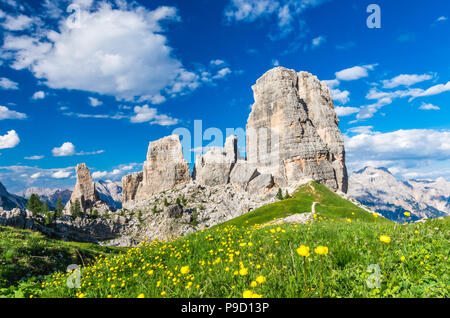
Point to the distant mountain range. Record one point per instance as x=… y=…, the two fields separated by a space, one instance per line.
x=47 y=195
x=9 y=201
x=378 y=189
x=109 y=192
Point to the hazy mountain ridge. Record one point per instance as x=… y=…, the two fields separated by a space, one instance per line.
x=110 y=192
x=47 y=195
x=10 y=201
x=378 y=189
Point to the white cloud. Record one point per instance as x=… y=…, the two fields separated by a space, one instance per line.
x=17 y=23
x=354 y=73
x=38 y=95
x=443 y=18
x=413 y=144
x=118 y=52
x=345 y=111
x=117 y=172
x=286 y=12
x=95 y=102
x=316 y=42
x=147 y=114
x=331 y=83
x=35 y=175
x=61 y=174
x=67 y=149
x=360 y=129
x=341 y=96
x=434 y=90
x=10 y=140
x=5 y=113
x=6 y=83
x=426 y=106
x=217 y=62
x=222 y=73
x=406 y=80
x=34 y=158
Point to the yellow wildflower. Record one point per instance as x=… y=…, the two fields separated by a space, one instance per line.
x=303 y=251
x=321 y=250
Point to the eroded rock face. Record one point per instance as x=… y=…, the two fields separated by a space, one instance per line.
x=214 y=167
x=164 y=169
x=130 y=184
x=85 y=191
x=292 y=131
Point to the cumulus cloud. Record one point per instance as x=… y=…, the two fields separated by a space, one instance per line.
x=6 y=113
x=35 y=175
x=95 y=102
x=38 y=95
x=406 y=80
x=316 y=42
x=345 y=111
x=407 y=153
x=119 y=51
x=7 y=84
x=68 y=149
x=17 y=23
x=10 y=140
x=341 y=96
x=61 y=174
x=413 y=144
x=433 y=90
x=354 y=73
x=117 y=172
x=148 y=114
x=428 y=106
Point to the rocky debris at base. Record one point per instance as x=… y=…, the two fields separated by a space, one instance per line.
x=65 y=227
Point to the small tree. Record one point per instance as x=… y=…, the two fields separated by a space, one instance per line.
x=59 y=207
x=178 y=201
x=155 y=209
x=287 y=196
x=34 y=204
x=280 y=194
x=75 y=209
x=166 y=203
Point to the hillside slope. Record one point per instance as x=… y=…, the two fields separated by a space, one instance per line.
x=243 y=260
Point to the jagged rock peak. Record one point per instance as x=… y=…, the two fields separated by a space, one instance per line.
x=292 y=130
x=164 y=168
x=85 y=191
x=214 y=167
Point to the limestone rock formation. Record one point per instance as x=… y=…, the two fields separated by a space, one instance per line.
x=164 y=169
x=292 y=131
x=85 y=191
x=130 y=184
x=214 y=167
x=242 y=174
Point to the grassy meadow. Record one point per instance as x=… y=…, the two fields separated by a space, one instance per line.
x=343 y=252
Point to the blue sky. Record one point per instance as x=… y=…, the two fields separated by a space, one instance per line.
x=99 y=88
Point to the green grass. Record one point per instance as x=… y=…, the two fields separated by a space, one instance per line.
x=222 y=263
x=329 y=205
x=27 y=255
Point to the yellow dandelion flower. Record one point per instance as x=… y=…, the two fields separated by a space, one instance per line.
x=321 y=250
x=141 y=296
x=243 y=271
x=253 y=284
x=260 y=279
x=385 y=239
x=184 y=270
x=303 y=251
